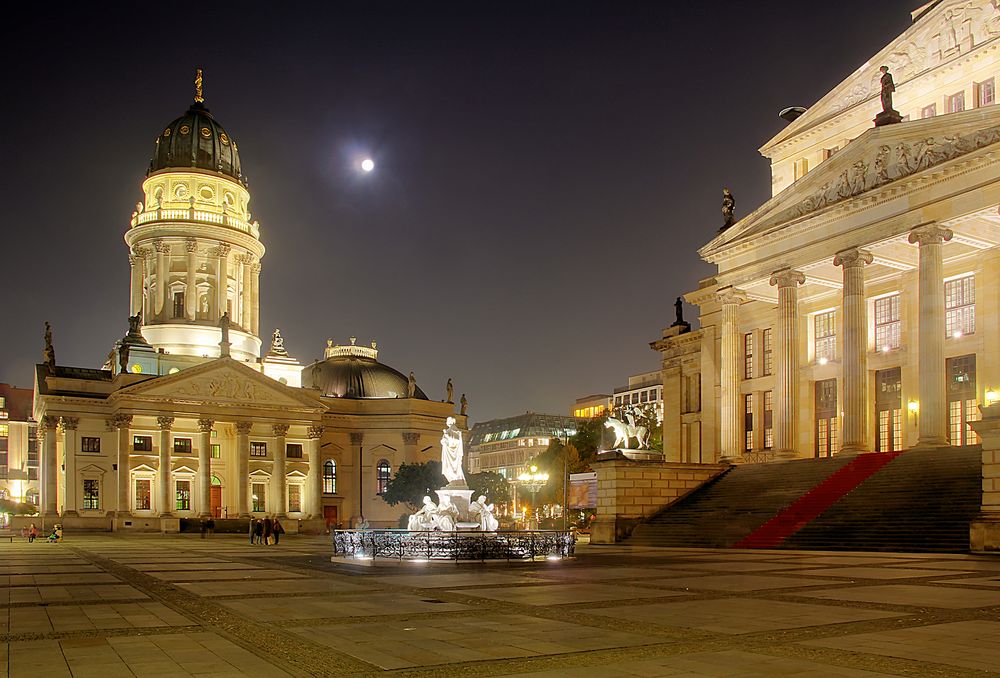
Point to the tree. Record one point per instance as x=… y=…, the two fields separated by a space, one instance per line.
x=551 y=461
x=413 y=482
x=493 y=485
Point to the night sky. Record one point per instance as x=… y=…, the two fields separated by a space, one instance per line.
x=545 y=170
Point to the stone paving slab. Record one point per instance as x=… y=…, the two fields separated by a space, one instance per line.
x=967 y=565
x=731 y=566
x=211 y=575
x=849 y=560
x=79 y=594
x=875 y=572
x=214 y=589
x=190 y=567
x=563 y=594
x=740 y=582
x=7 y=568
x=914 y=595
x=739 y=615
x=993 y=580
x=443 y=641
x=68 y=618
x=970 y=644
x=429 y=579
x=291 y=608
x=65 y=578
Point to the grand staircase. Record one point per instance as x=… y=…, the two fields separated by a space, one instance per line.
x=919 y=500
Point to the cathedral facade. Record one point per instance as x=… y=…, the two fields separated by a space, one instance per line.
x=857 y=310
x=186 y=420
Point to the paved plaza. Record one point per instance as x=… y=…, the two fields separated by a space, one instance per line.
x=106 y=606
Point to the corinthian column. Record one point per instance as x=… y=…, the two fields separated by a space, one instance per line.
x=255 y=299
x=278 y=479
x=222 y=280
x=162 y=277
x=855 y=365
x=787 y=373
x=123 y=423
x=135 y=300
x=70 y=446
x=50 y=466
x=205 y=468
x=933 y=415
x=166 y=473
x=243 y=467
x=191 y=286
x=315 y=475
x=246 y=303
x=730 y=375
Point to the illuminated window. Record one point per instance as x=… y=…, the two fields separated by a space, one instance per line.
x=928 y=111
x=91 y=495
x=142 y=494
x=258 y=449
x=4 y=430
x=960 y=306
x=382 y=473
x=962 y=403
x=258 y=493
x=183 y=495
x=216 y=451
x=955 y=103
x=142 y=443
x=3 y=402
x=293 y=450
x=984 y=93
x=767 y=365
x=329 y=477
x=826 y=417
x=748 y=422
x=768 y=420
x=90 y=444
x=825 y=337
x=887 y=325
x=748 y=355
x=295 y=498
x=888 y=411
x=178 y=304
x=182 y=446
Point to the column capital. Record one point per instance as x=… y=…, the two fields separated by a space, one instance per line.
x=49 y=422
x=224 y=249
x=243 y=427
x=930 y=234
x=855 y=256
x=279 y=429
x=134 y=260
x=410 y=437
x=357 y=437
x=315 y=432
x=161 y=247
x=165 y=422
x=206 y=425
x=121 y=421
x=787 y=277
x=255 y=267
x=731 y=295
x=69 y=423
x=191 y=245
x=244 y=258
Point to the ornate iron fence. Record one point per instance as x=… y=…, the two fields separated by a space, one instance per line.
x=405 y=545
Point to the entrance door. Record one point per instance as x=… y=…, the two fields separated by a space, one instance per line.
x=215 y=500
x=888 y=411
x=826 y=417
x=962 y=400
x=330 y=516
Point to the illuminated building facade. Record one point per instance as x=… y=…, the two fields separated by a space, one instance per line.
x=505 y=446
x=18 y=447
x=591 y=406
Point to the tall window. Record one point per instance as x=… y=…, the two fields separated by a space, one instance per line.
x=329 y=477
x=91 y=495
x=32 y=453
x=748 y=422
x=767 y=364
x=955 y=103
x=178 y=304
x=142 y=494
x=258 y=449
x=960 y=306
x=294 y=497
x=887 y=323
x=928 y=111
x=382 y=473
x=748 y=355
x=216 y=451
x=183 y=495
x=825 y=336
x=293 y=450
x=984 y=93
x=826 y=417
x=962 y=405
x=768 y=420
x=888 y=411
x=258 y=492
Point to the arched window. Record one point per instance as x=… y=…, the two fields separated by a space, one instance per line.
x=382 y=473
x=329 y=477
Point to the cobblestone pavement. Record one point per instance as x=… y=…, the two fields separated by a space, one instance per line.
x=108 y=606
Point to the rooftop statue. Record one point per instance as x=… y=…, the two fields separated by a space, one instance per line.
x=48 y=353
x=625 y=432
x=728 y=206
x=463 y=406
x=888 y=87
x=451 y=391
x=411 y=385
x=452 y=453
x=277 y=344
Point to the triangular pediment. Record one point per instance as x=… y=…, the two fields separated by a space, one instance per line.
x=944 y=32
x=224 y=382
x=876 y=162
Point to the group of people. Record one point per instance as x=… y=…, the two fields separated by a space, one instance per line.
x=444 y=516
x=267 y=531
x=31 y=533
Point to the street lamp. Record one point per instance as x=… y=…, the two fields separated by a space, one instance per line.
x=533 y=481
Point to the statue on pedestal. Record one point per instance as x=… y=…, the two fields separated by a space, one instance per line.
x=452 y=453
x=728 y=207
x=487 y=521
x=447 y=515
x=48 y=353
x=224 y=323
x=451 y=391
x=425 y=519
x=889 y=115
x=463 y=406
x=411 y=385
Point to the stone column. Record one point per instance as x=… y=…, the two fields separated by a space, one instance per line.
x=149 y=303
x=278 y=480
x=255 y=299
x=357 y=441
x=246 y=303
x=162 y=277
x=729 y=372
x=410 y=452
x=221 y=279
x=315 y=475
x=984 y=531
x=243 y=467
x=123 y=423
x=165 y=472
x=787 y=368
x=854 y=437
x=933 y=415
x=71 y=441
x=205 y=468
x=49 y=484
x=191 y=286
x=135 y=301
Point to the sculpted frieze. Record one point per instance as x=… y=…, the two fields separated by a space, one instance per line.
x=227 y=386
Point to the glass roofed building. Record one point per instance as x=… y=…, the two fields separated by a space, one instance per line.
x=505 y=446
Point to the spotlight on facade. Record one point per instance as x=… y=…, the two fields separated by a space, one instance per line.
x=913 y=406
x=992 y=397
x=885 y=349
x=956 y=334
x=823 y=361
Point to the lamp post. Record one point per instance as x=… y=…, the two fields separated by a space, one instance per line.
x=533 y=481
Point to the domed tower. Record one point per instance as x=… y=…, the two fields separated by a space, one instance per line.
x=195 y=252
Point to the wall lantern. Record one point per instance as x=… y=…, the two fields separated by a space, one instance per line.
x=992 y=397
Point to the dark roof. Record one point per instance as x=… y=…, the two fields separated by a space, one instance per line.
x=18 y=402
x=351 y=376
x=196 y=140
x=60 y=371
x=524 y=425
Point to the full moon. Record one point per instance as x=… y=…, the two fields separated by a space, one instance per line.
x=367 y=164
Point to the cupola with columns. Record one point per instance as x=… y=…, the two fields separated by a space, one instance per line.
x=194 y=250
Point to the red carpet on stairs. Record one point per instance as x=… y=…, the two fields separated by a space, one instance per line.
x=814 y=502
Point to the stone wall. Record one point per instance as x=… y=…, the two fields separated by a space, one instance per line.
x=629 y=492
x=984 y=532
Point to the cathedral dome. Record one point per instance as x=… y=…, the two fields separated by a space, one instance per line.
x=197 y=141
x=355 y=372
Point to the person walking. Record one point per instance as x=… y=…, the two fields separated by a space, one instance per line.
x=258 y=532
x=278 y=530
x=268 y=530
x=210 y=526
x=251 y=530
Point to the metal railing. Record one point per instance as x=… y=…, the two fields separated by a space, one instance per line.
x=457 y=546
